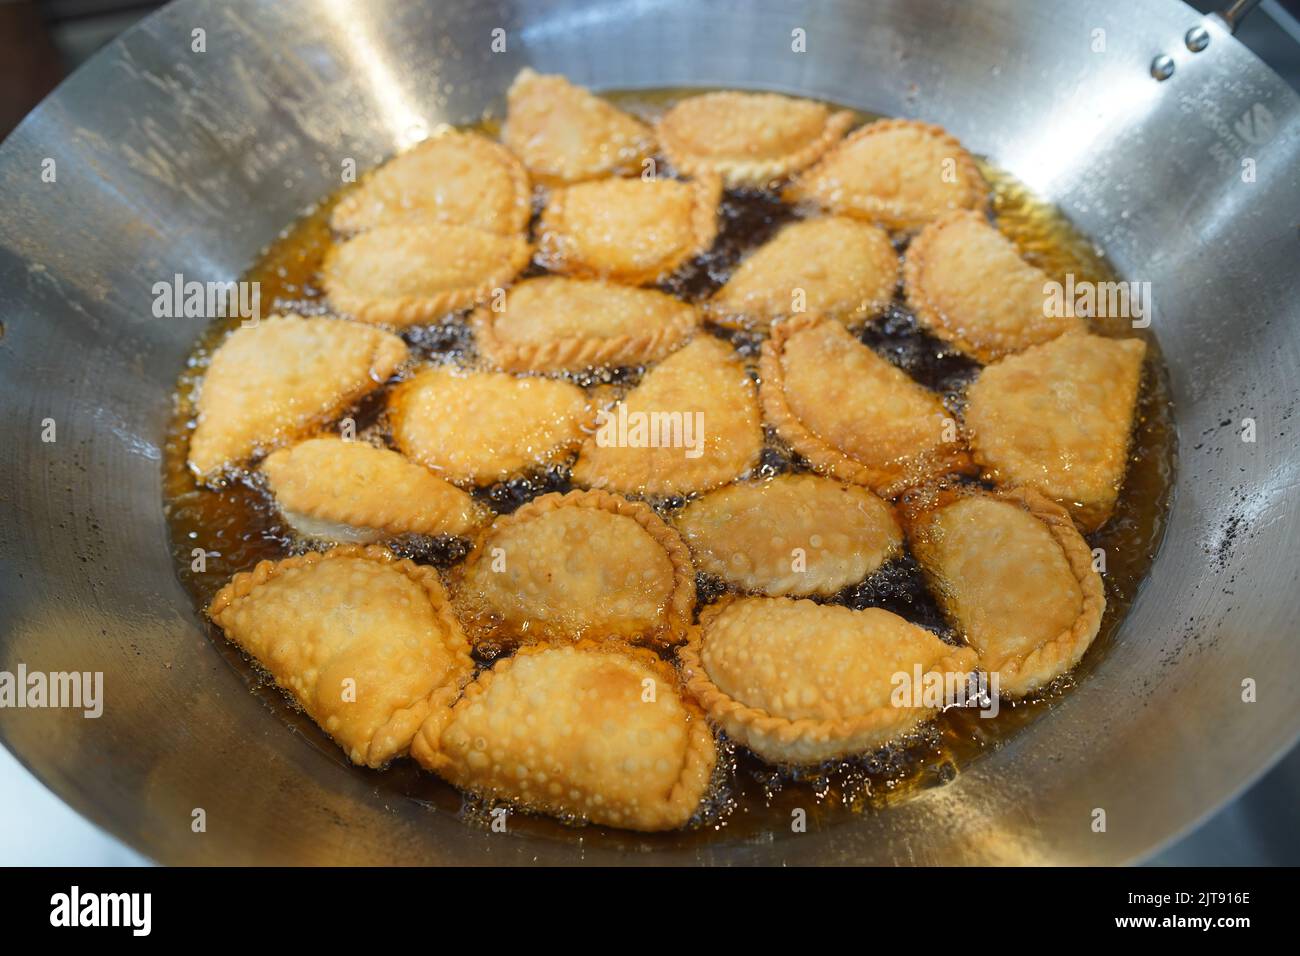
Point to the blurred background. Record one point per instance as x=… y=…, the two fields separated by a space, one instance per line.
x=41 y=42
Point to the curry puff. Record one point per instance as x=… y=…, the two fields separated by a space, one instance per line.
x=631 y=230
x=459 y=178
x=749 y=138
x=401 y=275
x=799 y=683
x=482 y=427
x=1058 y=418
x=1016 y=579
x=365 y=643
x=552 y=324
x=271 y=382
x=966 y=282
x=832 y=266
x=564 y=134
x=597 y=733
x=899 y=173
x=340 y=490
x=586 y=564
x=794 y=534
x=691 y=424
x=851 y=413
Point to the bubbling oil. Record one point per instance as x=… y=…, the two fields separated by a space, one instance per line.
x=236 y=525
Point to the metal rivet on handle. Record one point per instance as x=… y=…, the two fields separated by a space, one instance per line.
x=1162 y=67
x=1198 y=38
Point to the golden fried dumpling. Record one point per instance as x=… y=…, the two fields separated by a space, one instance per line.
x=749 y=138
x=899 y=173
x=832 y=266
x=1058 y=418
x=793 y=534
x=851 y=413
x=269 y=383
x=459 y=178
x=483 y=427
x=365 y=643
x=352 y=491
x=597 y=733
x=632 y=230
x=551 y=323
x=967 y=284
x=1016 y=578
x=402 y=275
x=691 y=424
x=799 y=682
x=583 y=564
x=565 y=134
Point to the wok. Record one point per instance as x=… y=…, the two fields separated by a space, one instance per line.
x=172 y=161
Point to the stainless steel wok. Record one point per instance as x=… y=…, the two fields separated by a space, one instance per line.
x=169 y=160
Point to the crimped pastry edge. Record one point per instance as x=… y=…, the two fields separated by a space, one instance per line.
x=681 y=601
x=404 y=311
x=387 y=355
x=390 y=520
x=245 y=582
x=823 y=457
x=899 y=220
x=710 y=563
x=706 y=193
x=740 y=172
x=701 y=751
x=915 y=264
x=521 y=206
x=575 y=352
x=1058 y=655
x=733 y=317
x=804 y=741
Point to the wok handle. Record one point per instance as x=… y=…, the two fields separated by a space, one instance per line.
x=1234 y=13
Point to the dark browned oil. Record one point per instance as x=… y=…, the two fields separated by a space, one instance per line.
x=237 y=525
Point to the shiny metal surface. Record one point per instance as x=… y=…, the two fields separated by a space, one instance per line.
x=169 y=160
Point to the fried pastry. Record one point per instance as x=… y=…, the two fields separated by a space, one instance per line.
x=402 y=275
x=565 y=134
x=597 y=733
x=552 y=324
x=483 y=427
x=850 y=413
x=793 y=534
x=691 y=424
x=459 y=178
x=365 y=643
x=1058 y=418
x=271 y=382
x=749 y=138
x=352 y=491
x=832 y=266
x=799 y=682
x=1015 y=578
x=586 y=564
x=899 y=173
x=631 y=230
x=967 y=284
